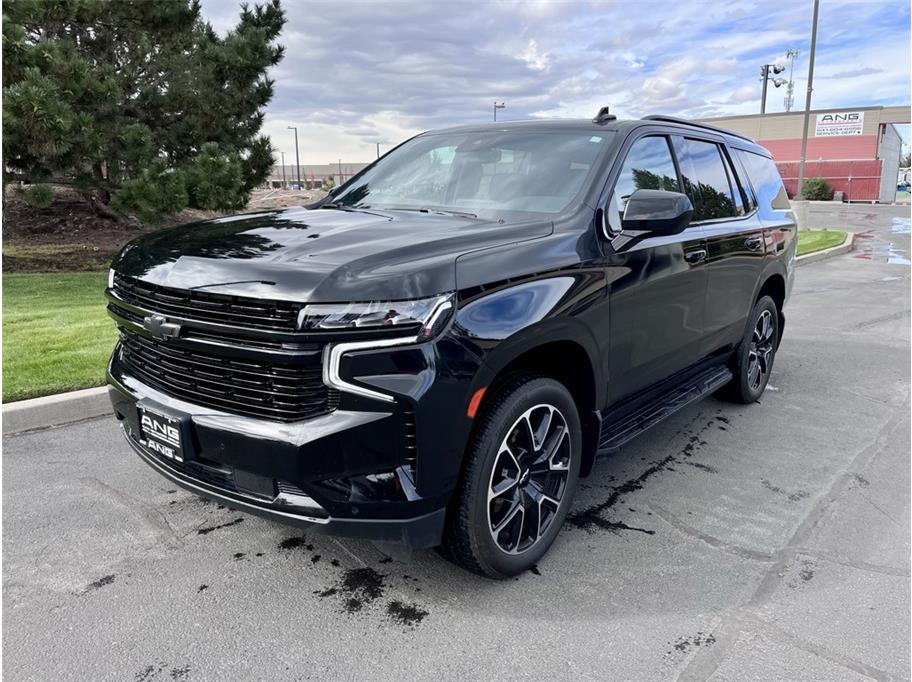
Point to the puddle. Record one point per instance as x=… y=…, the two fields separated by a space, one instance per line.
x=901 y=226
x=883 y=251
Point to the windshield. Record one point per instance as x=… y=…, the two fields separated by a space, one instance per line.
x=540 y=172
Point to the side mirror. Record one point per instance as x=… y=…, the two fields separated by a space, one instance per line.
x=657 y=212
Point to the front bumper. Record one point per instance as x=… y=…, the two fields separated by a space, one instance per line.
x=370 y=469
x=418 y=532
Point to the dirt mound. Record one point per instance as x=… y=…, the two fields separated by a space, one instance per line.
x=71 y=236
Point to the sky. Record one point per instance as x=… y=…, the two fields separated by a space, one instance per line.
x=359 y=73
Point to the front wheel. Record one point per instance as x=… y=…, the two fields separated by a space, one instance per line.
x=522 y=468
x=754 y=358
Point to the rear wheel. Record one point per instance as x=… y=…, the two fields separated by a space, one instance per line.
x=754 y=358
x=522 y=468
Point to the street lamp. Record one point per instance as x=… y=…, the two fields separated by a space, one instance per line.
x=297 y=158
x=765 y=76
x=807 y=101
x=497 y=106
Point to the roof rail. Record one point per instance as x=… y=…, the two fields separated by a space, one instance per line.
x=694 y=124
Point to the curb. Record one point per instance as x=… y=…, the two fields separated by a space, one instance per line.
x=815 y=256
x=54 y=410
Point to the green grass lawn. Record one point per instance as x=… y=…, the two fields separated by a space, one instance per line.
x=56 y=334
x=817 y=240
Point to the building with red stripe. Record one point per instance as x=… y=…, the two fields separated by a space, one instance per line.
x=856 y=150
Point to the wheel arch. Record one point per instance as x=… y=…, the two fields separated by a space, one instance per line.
x=773 y=285
x=563 y=356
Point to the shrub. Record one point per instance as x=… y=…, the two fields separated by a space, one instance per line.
x=157 y=192
x=215 y=180
x=816 y=189
x=38 y=196
x=328 y=183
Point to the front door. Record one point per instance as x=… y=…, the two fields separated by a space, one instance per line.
x=657 y=285
x=734 y=238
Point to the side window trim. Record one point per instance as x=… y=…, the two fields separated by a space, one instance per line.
x=616 y=167
x=737 y=181
x=734 y=154
x=615 y=173
x=677 y=148
x=696 y=199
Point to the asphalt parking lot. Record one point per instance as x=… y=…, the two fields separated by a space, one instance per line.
x=763 y=542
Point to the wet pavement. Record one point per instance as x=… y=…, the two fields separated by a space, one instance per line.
x=769 y=541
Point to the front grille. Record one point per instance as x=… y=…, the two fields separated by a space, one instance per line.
x=255 y=388
x=235 y=311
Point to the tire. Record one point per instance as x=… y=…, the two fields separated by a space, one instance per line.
x=753 y=360
x=530 y=478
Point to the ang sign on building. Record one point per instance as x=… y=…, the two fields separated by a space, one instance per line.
x=839 y=124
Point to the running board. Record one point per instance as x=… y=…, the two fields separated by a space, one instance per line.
x=616 y=434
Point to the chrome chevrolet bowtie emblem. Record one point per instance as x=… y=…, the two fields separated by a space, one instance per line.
x=159 y=327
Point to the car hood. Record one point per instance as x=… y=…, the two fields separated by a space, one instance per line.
x=320 y=255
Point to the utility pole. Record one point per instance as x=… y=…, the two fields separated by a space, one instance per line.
x=340 y=171
x=284 y=183
x=297 y=158
x=807 y=102
x=378 y=150
x=497 y=106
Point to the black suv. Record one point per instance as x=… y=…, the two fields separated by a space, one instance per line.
x=436 y=352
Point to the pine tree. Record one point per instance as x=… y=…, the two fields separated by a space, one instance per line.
x=139 y=104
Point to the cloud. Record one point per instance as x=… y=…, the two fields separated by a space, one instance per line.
x=854 y=73
x=358 y=73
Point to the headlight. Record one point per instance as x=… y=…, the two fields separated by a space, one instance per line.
x=425 y=314
x=111 y=278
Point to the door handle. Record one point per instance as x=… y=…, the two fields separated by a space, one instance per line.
x=695 y=256
x=754 y=243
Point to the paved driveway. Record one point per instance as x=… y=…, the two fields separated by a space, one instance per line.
x=732 y=543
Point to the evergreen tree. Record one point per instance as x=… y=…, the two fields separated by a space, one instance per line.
x=138 y=103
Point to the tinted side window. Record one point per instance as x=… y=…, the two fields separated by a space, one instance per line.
x=765 y=178
x=735 y=182
x=706 y=180
x=648 y=165
x=749 y=197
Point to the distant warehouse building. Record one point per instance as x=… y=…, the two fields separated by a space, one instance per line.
x=857 y=151
x=313 y=175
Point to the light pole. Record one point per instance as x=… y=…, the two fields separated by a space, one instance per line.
x=497 y=106
x=378 y=150
x=297 y=158
x=284 y=183
x=807 y=102
x=764 y=76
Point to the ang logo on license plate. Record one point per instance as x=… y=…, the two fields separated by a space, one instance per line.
x=161 y=435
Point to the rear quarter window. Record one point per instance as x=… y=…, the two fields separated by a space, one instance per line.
x=766 y=180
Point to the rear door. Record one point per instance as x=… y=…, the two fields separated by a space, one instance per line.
x=657 y=285
x=733 y=232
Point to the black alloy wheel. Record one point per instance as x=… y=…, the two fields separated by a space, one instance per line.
x=752 y=362
x=528 y=478
x=522 y=465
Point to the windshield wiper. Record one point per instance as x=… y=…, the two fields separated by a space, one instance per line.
x=338 y=207
x=432 y=209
